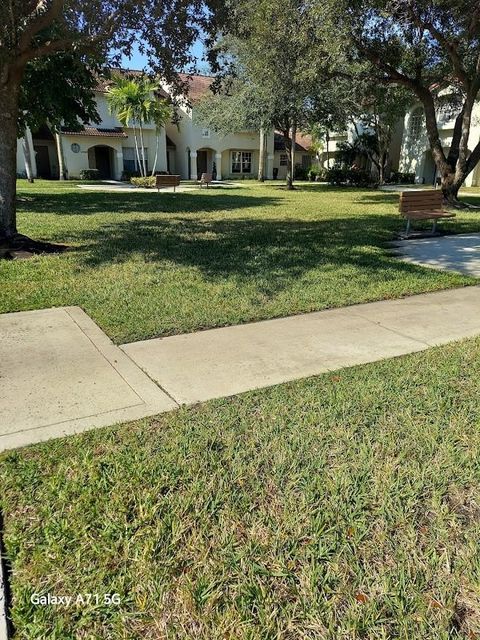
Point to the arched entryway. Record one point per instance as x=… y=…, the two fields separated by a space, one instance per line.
x=100 y=157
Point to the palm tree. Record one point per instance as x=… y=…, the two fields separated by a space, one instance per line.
x=128 y=99
x=159 y=112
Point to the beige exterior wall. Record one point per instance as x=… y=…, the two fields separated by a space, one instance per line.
x=192 y=139
x=84 y=158
x=299 y=155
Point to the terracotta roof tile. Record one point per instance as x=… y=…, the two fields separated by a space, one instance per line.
x=198 y=86
x=303 y=142
x=117 y=132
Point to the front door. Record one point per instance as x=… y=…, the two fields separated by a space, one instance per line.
x=102 y=162
x=42 y=159
x=202 y=163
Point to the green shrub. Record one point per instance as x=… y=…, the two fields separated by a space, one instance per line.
x=89 y=174
x=128 y=175
x=300 y=172
x=337 y=175
x=148 y=182
x=399 y=177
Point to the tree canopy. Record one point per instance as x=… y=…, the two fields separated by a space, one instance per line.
x=58 y=90
x=100 y=30
x=432 y=49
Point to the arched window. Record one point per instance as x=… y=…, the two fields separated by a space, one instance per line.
x=416 y=123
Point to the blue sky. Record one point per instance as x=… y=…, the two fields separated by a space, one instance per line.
x=139 y=61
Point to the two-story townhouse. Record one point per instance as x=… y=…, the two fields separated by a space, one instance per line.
x=198 y=149
x=415 y=154
x=107 y=147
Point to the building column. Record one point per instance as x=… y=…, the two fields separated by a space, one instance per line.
x=269 y=172
x=193 y=165
x=118 y=169
x=218 y=164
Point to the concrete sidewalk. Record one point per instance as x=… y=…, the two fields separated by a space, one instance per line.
x=460 y=253
x=60 y=374
x=223 y=362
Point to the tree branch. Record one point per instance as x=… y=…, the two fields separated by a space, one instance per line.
x=452 y=51
x=473 y=159
x=37 y=22
x=457 y=132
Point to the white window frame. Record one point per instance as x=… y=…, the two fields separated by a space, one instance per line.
x=241 y=158
x=205 y=133
x=416 y=124
x=283 y=160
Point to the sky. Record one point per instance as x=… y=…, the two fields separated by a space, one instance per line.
x=139 y=61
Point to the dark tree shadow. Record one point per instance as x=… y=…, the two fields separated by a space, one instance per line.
x=97 y=202
x=271 y=252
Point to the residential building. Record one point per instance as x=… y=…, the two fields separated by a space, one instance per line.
x=415 y=154
x=305 y=155
x=185 y=147
x=107 y=146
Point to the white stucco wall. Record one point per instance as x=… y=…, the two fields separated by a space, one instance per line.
x=415 y=154
x=190 y=138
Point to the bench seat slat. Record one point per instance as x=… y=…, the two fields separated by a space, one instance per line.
x=425 y=215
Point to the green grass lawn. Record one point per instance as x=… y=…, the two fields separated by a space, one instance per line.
x=342 y=506
x=148 y=264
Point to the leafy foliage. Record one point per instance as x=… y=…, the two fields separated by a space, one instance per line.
x=432 y=49
x=147 y=182
x=135 y=102
x=58 y=90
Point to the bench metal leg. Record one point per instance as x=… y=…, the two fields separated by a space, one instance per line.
x=434 y=227
x=409 y=225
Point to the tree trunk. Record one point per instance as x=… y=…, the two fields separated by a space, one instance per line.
x=137 y=152
x=144 y=164
x=261 y=159
x=8 y=158
x=28 y=157
x=61 y=157
x=451 y=183
x=294 y=144
x=156 y=153
x=452 y=177
x=288 y=150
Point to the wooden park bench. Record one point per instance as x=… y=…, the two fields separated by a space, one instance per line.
x=165 y=180
x=423 y=204
x=206 y=178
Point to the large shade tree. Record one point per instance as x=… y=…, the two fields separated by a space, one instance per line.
x=279 y=53
x=33 y=29
x=432 y=49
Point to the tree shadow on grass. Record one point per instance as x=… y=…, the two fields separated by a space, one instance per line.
x=269 y=252
x=95 y=202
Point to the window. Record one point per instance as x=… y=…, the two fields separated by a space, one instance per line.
x=283 y=160
x=205 y=133
x=306 y=162
x=130 y=159
x=129 y=163
x=241 y=162
x=416 y=124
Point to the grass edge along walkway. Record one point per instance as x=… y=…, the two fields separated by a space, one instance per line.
x=341 y=505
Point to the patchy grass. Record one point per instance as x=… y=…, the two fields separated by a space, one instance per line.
x=148 y=264
x=342 y=506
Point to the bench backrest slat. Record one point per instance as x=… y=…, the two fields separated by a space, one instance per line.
x=421 y=200
x=167 y=180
